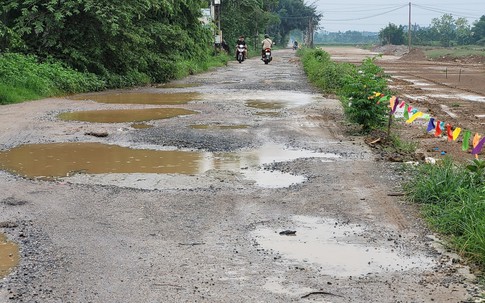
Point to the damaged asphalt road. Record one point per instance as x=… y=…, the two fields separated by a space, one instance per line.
x=282 y=163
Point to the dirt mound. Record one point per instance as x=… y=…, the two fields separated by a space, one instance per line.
x=472 y=59
x=414 y=55
x=389 y=49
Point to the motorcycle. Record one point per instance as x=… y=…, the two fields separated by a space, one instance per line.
x=267 y=56
x=240 y=53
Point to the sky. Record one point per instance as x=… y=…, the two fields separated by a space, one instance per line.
x=374 y=15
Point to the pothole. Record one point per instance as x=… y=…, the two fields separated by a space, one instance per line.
x=9 y=255
x=56 y=160
x=139 y=98
x=338 y=249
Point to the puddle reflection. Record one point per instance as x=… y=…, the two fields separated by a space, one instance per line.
x=265 y=104
x=65 y=159
x=139 y=98
x=62 y=159
x=276 y=101
x=9 y=255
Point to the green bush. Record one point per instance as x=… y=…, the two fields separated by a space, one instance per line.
x=356 y=86
x=358 y=95
x=25 y=78
x=322 y=71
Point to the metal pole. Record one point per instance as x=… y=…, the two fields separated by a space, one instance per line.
x=409 y=28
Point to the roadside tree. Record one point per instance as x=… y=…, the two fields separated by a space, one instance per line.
x=478 y=31
x=392 y=34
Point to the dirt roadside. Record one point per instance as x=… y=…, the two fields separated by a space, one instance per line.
x=215 y=236
x=450 y=90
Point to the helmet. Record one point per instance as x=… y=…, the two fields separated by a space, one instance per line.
x=266 y=35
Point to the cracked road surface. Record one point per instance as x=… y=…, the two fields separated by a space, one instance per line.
x=275 y=159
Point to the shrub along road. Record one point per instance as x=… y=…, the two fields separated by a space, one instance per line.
x=339 y=233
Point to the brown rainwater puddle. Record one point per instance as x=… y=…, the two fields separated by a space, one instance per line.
x=218 y=126
x=56 y=160
x=268 y=114
x=125 y=115
x=139 y=98
x=259 y=104
x=9 y=255
x=338 y=249
x=63 y=159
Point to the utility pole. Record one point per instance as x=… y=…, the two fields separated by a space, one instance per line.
x=310 y=32
x=216 y=5
x=409 y=28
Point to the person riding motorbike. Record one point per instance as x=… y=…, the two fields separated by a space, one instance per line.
x=266 y=43
x=241 y=41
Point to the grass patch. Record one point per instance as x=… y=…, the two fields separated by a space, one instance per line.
x=25 y=78
x=358 y=87
x=454 y=52
x=453 y=200
x=191 y=67
x=452 y=196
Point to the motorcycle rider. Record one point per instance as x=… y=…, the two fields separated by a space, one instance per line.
x=266 y=43
x=241 y=41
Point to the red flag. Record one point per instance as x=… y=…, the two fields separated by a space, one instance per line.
x=437 y=132
x=449 y=132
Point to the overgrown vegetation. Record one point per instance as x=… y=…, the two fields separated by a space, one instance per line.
x=453 y=199
x=355 y=85
x=25 y=78
x=453 y=196
x=126 y=44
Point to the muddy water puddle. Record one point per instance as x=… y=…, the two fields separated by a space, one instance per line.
x=277 y=101
x=338 y=249
x=265 y=104
x=125 y=115
x=66 y=159
x=9 y=255
x=140 y=98
x=63 y=159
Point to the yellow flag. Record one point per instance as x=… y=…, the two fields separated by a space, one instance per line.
x=456 y=133
x=414 y=117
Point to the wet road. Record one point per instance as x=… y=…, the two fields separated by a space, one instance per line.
x=271 y=155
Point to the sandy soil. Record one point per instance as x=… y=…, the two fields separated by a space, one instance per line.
x=449 y=90
x=219 y=236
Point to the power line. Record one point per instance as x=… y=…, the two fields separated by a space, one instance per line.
x=367 y=17
x=437 y=10
x=358 y=11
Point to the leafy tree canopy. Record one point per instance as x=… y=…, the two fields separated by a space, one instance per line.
x=104 y=37
x=138 y=39
x=392 y=34
x=478 y=31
